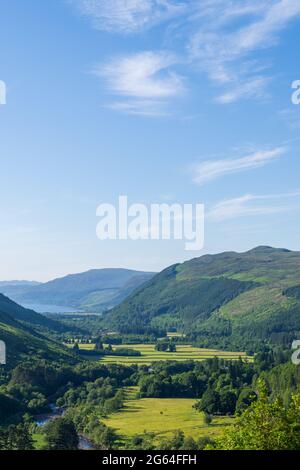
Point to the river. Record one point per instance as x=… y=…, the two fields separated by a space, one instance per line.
x=41 y=420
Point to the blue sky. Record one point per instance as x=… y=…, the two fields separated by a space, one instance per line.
x=164 y=101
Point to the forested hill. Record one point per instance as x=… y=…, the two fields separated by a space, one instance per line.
x=218 y=299
x=23 y=342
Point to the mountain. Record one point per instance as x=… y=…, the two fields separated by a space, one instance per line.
x=23 y=342
x=29 y=317
x=219 y=299
x=94 y=290
x=18 y=283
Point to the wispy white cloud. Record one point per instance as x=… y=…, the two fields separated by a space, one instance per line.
x=252 y=205
x=220 y=37
x=143 y=75
x=145 y=108
x=255 y=88
x=144 y=81
x=222 y=45
x=129 y=16
x=212 y=169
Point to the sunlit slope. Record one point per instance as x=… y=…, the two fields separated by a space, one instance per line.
x=23 y=342
x=219 y=297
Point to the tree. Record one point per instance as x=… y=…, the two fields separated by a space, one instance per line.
x=246 y=397
x=61 y=434
x=99 y=346
x=204 y=442
x=265 y=425
x=16 y=438
x=208 y=419
x=8 y=407
x=107 y=439
x=176 y=442
x=227 y=402
x=189 y=444
x=162 y=346
x=210 y=402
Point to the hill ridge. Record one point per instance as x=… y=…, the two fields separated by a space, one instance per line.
x=92 y=290
x=215 y=298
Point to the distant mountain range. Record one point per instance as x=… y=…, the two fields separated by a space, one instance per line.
x=18 y=283
x=230 y=299
x=92 y=291
x=219 y=299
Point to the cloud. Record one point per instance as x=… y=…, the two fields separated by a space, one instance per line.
x=222 y=45
x=220 y=42
x=252 y=89
x=140 y=75
x=212 y=169
x=251 y=205
x=140 y=108
x=144 y=80
x=129 y=16
x=219 y=37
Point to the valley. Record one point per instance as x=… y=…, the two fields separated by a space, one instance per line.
x=185 y=361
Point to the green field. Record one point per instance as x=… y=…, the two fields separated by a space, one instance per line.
x=149 y=354
x=175 y=335
x=39 y=441
x=184 y=352
x=162 y=416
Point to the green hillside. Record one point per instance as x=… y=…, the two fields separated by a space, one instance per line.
x=29 y=317
x=220 y=299
x=23 y=342
x=94 y=290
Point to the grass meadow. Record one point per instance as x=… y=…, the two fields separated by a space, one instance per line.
x=162 y=416
x=184 y=352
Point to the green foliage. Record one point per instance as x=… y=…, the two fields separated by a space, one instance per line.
x=23 y=344
x=16 y=438
x=208 y=419
x=282 y=380
x=206 y=442
x=8 y=407
x=60 y=434
x=293 y=292
x=175 y=443
x=266 y=425
x=218 y=402
x=108 y=351
x=165 y=346
x=216 y=382
x=246 y=397
x=114 y=404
